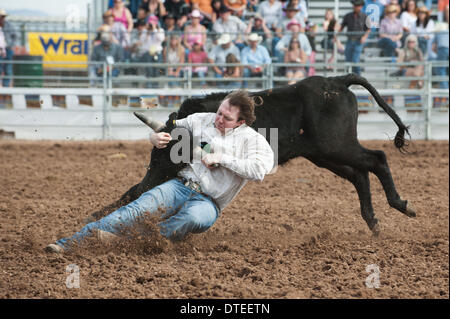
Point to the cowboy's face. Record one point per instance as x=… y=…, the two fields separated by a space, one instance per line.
x=357 y=8
x=227 y=117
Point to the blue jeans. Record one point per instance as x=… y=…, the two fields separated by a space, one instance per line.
x=388 y=46
x=442 y=55
x=353 y=50
x=185 y=211
x=7 y=68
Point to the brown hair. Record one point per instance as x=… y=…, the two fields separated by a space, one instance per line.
x=245 y=103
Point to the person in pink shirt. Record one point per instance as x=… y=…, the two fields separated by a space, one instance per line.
x=197 y=55
x=122 y=14
x=194 y=32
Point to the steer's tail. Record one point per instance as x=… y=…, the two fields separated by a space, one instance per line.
x=399 y=140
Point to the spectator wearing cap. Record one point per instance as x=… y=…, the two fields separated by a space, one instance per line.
x=231 y=25
x=355 y=22
x=219 y=54
x=196 y=56
x=122 y=14
x=170 y=24
x=254 y=57
x=257 y=25
x=294 y=32
x=271 y=11
x=291 y=14
x=301 y=6
x=106 y=51
x=194 y=32
x=424 y=28
x=8 y=40
x=391 y=32
x=236 y=6
x=179 y=9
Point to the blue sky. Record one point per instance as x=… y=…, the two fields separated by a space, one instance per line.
x=51 y=7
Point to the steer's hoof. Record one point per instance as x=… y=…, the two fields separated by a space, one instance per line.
x=376 y=230
x=410 y=211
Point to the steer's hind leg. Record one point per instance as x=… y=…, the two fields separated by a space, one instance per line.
x=375 y=162
x=359 y=179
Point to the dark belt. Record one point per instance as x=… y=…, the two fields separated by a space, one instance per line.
x=196 y=188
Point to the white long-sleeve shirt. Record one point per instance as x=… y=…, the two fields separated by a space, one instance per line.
x=246 y=155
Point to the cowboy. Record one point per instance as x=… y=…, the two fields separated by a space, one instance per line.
x=192 y=202
x=218 y=55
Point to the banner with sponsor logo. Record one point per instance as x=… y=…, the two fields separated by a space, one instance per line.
x=62 y=47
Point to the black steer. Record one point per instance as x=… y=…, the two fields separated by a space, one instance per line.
x=316 y=118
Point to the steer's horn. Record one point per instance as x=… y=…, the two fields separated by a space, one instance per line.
x=154 y=125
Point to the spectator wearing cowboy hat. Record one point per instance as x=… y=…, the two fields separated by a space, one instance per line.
x=218 y=54
x=231 y=25
x=355 y=22
x=294 y=31
x=170 y=24
x=194 y=32
x=257 y=25
x=291 y=14
x=424 y=28
x=254 y=57
x=391 y=32
x=8 y=40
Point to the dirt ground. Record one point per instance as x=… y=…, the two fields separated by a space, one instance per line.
x=298 y=234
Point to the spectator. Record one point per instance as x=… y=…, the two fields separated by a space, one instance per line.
x=232 y=25
x=440 y=47
x=291 y=14
x=156 y=8
x=254 y=57
x=120 y=34
x=391 y=31
x=150 y=47
x=174 y=54
x=232 y=72
x=179 y=9
x=216 y=6
x=411 y=53
x=236 y=6
x=442 y=4
x=106 y=51
x=194 y=32
x=8 y=40
x=355 y=22
x=271 y=11
x=219 y=54
x=197 y=55
x=257 y=25
x=142 y=15
x=122 y=14
x=424 y=28
x=170 y=25
x=409 y=16
x=302 y=13
x=295 y=55
x=283 y=45
x=330 y=26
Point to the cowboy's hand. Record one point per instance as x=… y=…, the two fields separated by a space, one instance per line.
x=160 y=140
x=211 y=159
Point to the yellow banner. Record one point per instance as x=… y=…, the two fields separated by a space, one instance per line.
x=70 y=47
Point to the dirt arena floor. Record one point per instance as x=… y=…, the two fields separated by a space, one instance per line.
x=298 y=234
